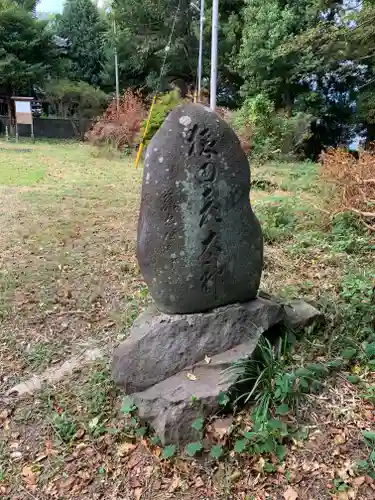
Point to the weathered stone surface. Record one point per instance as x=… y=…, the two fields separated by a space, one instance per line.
x=161 y=345
x=169 y=406
x=199 y=244
x=300 y=314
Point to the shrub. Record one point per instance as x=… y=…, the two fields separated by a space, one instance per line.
x=76 y=99
x=278 y=218
x=353 y=183
x=120 y=129
x=358 y=295
x=163 y=105
x=272 y=383
x=270 y=135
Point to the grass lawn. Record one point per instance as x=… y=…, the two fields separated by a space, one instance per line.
x=69 y=282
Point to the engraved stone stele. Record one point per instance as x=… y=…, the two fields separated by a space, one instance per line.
x=200 y=250
x=200 y=245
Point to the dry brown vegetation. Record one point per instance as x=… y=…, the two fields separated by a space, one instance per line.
x=354 y=183
x=119 y=127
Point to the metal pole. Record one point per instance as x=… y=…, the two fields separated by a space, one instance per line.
x=116 y=71
x=214 y=53
x=200 y=61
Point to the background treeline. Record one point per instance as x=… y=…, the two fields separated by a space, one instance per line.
x=298 y=75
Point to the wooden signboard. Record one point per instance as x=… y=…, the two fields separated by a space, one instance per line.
x=24 y=114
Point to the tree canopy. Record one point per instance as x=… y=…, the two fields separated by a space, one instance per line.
x=84 y=30
x=311 y=57
x=28 y=54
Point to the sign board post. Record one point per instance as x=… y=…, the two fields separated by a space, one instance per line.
x=24 y=114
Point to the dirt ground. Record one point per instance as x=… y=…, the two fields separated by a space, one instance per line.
x=69 y=282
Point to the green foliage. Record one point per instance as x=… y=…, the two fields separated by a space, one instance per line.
x=198 y=424
x=264 y=379
x=348 y=234
x=273 y=135
x=223 y=399
x=358 y=306
x=28 y=54
x=267 y=437
x=169 y=451
x=128 y=406
x=143 y=32
x=266 y=27
x=13 y=173
x=368 y=466
x=270 y=381
x=216 y=451
x=81 y=25
x=193 y=448
x=64 y=426
x=163 y=105
x=76 y=98
x=279 y=217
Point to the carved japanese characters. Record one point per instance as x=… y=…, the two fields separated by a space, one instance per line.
x=199 y=244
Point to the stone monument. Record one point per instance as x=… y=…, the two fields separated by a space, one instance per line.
x=200 y=245
x=200 y=250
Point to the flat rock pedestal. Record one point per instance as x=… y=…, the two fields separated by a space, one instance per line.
x=173 y=365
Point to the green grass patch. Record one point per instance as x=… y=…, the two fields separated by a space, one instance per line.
x=282 y=216
x=19 y=172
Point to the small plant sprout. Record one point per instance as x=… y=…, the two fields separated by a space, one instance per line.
x=128 y=406
x=169 y=451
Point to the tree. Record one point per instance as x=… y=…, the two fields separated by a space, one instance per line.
x=144 y=30
x=84 y=29
x=74 y=99
x=297 y=53
x=361 y=41
x=28 y=54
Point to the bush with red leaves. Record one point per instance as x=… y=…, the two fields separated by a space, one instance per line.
x=119 y=128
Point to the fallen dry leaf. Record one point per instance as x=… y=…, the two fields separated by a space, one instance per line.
x=156 y=485
x=358 y=481
x=157 y=451
x=66 y=484
x=125 y=449
x=191 y=376
x=175 y=484
x=181 y=465
x=30 y=477
x=138 y=493
x=199 y=482
x=80 y=433
x=290 y=494
x=340 y=439
x=259 y=466
x=222 y=426
x=134 y=460
x=50 y=452
x=134 y=482
x=4 y=414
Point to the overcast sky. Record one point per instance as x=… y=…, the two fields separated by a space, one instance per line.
x=57 y=5
x=50 y=5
